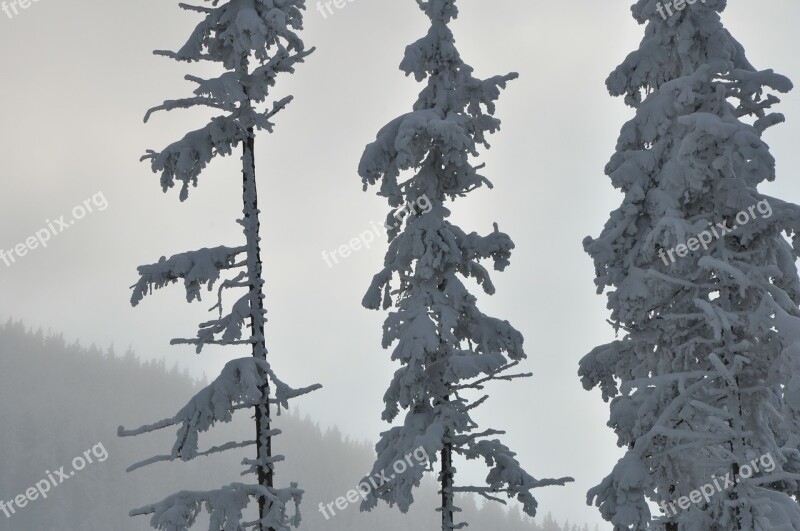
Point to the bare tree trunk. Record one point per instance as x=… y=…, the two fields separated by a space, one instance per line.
x=734 y=495
x=254 y=274
x=446 y=478
x=670 y=526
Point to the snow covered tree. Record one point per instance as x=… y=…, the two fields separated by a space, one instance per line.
x=700 y=271
x=254 y=41
x=447 y=347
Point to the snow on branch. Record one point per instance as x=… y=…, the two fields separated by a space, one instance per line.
x=494 y=335
x=187 y=103
x=225 y=506
x=497 y=246
x=621 y=495
x=185 y=159
x=403 y=141
x=506 y=475
x=407 y=142
x=485 y=92
x=230 y=326
x=213 y=450
x=232 y=90
x=264 y=75
x=226 y=89
x=600 y=367
x=492 y=370
x=240 y=385
x=466 y=364
x=417 y=438
x=234 y=30
x=196 y=268
x=430 y=244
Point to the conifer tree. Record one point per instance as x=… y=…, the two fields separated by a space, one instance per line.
x=447 y=347
x=254 y=41
x=703 y=285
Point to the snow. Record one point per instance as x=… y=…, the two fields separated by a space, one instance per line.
x=446 y=346
x=254 y=40
x=704 y=377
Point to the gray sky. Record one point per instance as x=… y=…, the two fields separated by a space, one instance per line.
x=78 y=77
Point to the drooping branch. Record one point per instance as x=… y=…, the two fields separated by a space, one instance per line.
x=237 y=387
x=196 y=268
x=225 y=507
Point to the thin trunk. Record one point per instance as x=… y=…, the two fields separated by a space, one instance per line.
x=737 y=445
x=734 y=495
x=447 y=485
x=446 y=476
x=735 y=465
x=254 y=270
x=670 y=526
x=736 y=450
x=446 y=479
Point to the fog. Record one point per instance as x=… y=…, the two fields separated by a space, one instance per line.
x=78 y=77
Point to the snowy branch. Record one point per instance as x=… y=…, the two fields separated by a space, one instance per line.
x=196 y=268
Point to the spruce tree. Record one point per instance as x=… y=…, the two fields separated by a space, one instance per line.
x=447 y=347
x=254 y=41
x=703 y=286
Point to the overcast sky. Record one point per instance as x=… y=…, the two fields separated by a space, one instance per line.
x=78 y=77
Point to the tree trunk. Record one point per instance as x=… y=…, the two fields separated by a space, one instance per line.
x=670 y=526
x=447 y=485
x=446 y=478
x=254 y=270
